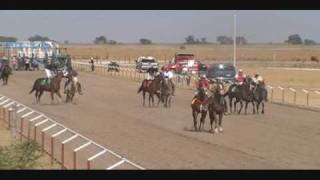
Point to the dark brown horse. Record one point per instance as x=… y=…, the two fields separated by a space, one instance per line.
x=6 y=72
x=217 y=106
x=41 y=85
x=242 y=93
x=199 y=105
x=260 y=96
x=152 y=87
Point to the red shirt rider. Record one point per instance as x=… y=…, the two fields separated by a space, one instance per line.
x=203 y=82
x=240 y=76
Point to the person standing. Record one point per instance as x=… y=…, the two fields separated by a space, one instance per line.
x=27 y=64
x=92 y=64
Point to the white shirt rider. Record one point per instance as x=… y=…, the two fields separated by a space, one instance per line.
x=168 y=74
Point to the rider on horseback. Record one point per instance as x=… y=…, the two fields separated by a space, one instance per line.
x=168 y=74
x=202 y=84
x=50 y=68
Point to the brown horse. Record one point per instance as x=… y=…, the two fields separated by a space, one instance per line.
x=217 y=105
x=53 y=87
x=196 y=104
x=6 y=72
x=152 y=88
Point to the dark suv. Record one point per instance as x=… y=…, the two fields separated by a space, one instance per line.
x=225 y=72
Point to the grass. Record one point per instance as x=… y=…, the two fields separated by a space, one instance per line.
x=21 y=155
x=202 y=52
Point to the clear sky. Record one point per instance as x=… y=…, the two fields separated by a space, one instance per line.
x=159 y=26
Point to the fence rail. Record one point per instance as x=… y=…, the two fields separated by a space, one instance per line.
x=32 y=121
x=285 y=95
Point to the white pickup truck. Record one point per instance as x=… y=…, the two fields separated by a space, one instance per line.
x=144 y=63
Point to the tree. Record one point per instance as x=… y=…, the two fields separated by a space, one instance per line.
x=190 y=40
x=7 y=39
x=241 y=40
x=66 y=42
x=294 y=39
x=309 y=42
x=145 y=41
x=112 y=42
x=100 y=40
x=224 y=40
x=38 y=38
x=204 y=40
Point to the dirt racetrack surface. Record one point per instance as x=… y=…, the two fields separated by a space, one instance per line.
x=110 y=112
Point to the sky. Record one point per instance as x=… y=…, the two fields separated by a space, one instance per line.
x=161 y=26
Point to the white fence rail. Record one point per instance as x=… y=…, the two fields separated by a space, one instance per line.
x=10 y=109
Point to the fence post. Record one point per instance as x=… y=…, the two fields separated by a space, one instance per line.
x=21 y=128
x=307 y=94
x=294 y=95
x=282 y=89
x=52 y=150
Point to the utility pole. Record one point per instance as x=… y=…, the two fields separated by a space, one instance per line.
x=234 y=38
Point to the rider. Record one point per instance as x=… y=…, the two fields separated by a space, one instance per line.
x=203 y=83
x=69 y=73
x=257 y=79
x=2 y=65
x=240 y=77
x=168 y=74
x=50 y=68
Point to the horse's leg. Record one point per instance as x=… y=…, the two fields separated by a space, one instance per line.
x=241 y=103
x=262 y=108
x=158 y=95
x=51 y=93
x=235 y=105
x=203 y=117
x=230 y=104
x=220 y=122
x=59 y=95
x=144 y=97
x=39 y=96
x=194 y=115
x=258 y=105
x=245 y=108
x=36 y=95
x=253 y=107
x=211 y=117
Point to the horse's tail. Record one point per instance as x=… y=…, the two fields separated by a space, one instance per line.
x=141 y=87
x=33 y=87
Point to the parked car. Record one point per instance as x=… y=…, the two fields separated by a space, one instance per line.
x=225 y=72
x=113 y=66
x=144 y=63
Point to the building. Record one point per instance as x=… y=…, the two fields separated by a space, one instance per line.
x=38 y=49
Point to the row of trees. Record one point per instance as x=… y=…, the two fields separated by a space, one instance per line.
x=225 y=40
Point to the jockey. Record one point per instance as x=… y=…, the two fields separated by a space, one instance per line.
x=50 y=68
x=69 y=73
x=203 y=83
x=168 y=74
x=151 y=72
x=240 y=77
x=257 y=79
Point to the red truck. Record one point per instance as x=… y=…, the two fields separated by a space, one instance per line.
x=185 y=62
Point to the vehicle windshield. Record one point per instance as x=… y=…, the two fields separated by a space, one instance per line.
x=221 y=71
x=148 y=60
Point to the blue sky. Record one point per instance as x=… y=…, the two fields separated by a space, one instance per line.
x=159 y=26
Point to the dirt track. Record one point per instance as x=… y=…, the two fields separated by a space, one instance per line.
x=111 y=113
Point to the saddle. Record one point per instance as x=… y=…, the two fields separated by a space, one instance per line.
x=45 y=82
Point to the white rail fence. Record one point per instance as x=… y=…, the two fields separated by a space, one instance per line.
x=276 y=94
x=26 y=122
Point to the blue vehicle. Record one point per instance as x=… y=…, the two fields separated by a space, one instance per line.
x=225 y=72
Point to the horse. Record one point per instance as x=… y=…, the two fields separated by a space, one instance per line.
x=71 y=90
x=166 y=92
x=6 y=72
x=152 y=88
x=217 y=105
x=196 y=103
x=41 y=85
x=242 y=93
x=260 y=95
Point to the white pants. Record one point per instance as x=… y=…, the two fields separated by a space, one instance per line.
x=75 y=80
x=49 y=73
x=149 y=77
